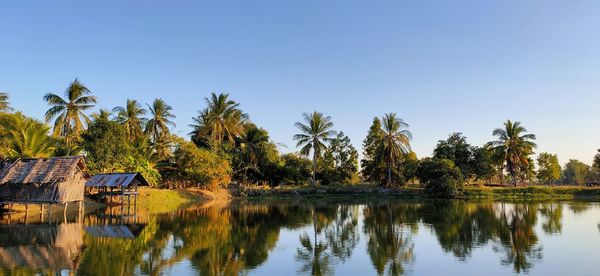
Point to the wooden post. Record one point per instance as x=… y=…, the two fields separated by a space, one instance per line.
x=65 y=211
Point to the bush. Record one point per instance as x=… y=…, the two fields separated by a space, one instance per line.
x=441 y=178
x=195 y=167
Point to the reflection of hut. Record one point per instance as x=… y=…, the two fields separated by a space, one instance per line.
x=43 y=180
x=41 y=246
x=128 y=231
x=115 y=184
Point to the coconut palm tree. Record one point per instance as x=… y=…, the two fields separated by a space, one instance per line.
x=158 y=124
x=102 y=114
x=516 y=145
x=4 y=105
x=69 y=111
x=26 y=137
x=131 y=115
x=393 y=143
x=222 y=120
x=315 y=132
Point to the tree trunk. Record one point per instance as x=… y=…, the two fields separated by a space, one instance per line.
x=389 y=174
x=314 y=176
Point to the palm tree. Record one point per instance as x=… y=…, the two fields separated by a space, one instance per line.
x=315 y=132
x=158 y=124
x=221 y=120
x=131 y=116
x=102 y=114
x=69 y=111
x=252 y=147
x=26 y=137
x=393 y=143
x=4 y=105
x=516 y=146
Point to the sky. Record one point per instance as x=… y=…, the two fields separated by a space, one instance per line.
x=442 y=66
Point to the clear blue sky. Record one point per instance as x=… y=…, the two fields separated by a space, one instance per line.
x=443 y=66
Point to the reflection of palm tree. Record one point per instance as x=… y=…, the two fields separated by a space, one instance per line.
x=342 y=235
x=518 y=238
x=314 y=254
x=390 y=244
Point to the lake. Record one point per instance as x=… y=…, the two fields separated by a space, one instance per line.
x=327 y=237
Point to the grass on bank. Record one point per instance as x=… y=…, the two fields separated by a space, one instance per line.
x=470 y=192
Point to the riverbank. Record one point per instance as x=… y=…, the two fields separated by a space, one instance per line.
x=374 y=191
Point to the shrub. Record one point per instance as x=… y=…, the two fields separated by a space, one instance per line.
x=195 y=167
x=441 y=178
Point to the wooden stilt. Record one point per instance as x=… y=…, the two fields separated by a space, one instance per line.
x=65 y=211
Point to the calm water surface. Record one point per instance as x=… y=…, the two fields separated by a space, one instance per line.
x=315 y=238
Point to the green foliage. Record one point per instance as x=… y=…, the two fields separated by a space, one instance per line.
x=576 y=172
x=24 y=137
x=483 y=163
x=107 y=146
x=254 y=156
x=195 y=167
x=370 y=169
x=457 y=149
x=340 y=161
x=441 y=178
x=294 y=169
x=549 y=169
x=109 y=150
x=474 y=162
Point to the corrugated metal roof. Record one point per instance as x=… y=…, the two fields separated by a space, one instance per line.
x=115 y=180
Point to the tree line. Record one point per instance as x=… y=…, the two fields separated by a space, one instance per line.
x=225 y=146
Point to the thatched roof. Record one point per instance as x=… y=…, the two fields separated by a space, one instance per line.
x=117 y=180
x=41 y=246
x=56 y=179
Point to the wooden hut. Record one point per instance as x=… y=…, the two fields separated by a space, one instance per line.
x=43 y=180
x=124 y=185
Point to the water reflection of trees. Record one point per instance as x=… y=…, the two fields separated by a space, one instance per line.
x=232 y=240
x=334 y=237
x=389 y=230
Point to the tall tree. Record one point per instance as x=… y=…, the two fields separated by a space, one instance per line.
x=4 y=105
x=457 y=149
x=316 y=130
x=394 y=143
x=548 y=168
x=516 y=145
x=158 y=124
x=576 y=172
x=131 y=116
x=369 y=169
x=340 y=161
x=596 y=164
x=70 y=111
x=222 y=120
